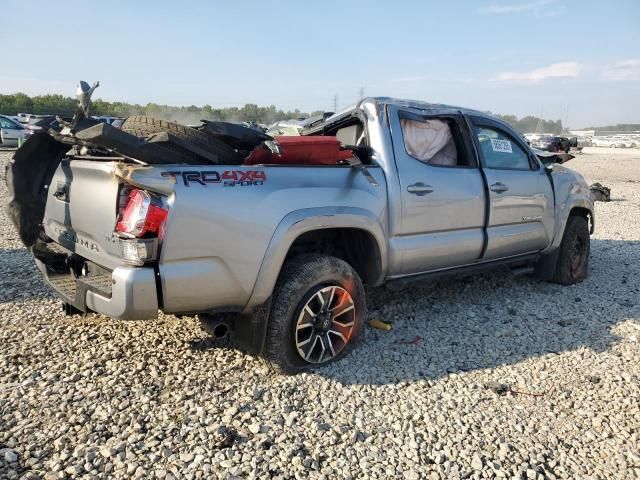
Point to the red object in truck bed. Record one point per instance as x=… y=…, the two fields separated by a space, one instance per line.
x=314 y=150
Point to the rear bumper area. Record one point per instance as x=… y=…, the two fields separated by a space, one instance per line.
x=125 y=293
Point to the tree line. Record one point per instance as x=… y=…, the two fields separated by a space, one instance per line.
x=66 y=106
x=54 y=104
x=620 y=127
x=529 y=124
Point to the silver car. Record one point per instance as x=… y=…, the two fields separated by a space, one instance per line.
x=11 y=132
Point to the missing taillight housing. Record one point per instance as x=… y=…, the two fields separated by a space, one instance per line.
x=143 y=215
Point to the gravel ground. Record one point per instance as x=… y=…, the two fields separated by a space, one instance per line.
x=480 y=377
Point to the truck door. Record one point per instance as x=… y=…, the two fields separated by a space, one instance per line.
x=520 y=195
x=441 y=192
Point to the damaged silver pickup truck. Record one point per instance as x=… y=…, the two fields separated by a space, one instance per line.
x=271 y=239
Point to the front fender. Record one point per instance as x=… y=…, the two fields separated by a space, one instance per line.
x=571 y=192
x=563 y=211
x=305 y=220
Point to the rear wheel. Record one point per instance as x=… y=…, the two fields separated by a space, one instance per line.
x=573 y=261
x=317 y=313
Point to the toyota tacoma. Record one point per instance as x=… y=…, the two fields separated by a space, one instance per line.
x=271 y=239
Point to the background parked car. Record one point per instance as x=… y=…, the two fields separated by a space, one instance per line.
x=11 y=132
x=554 y=143
x=585 y=141
x=603 y=142
x=38 y=123
x=624 y=142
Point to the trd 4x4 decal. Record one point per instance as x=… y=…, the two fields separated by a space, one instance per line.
x=229 y=178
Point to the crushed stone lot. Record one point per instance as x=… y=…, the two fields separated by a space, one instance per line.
x=480 y=377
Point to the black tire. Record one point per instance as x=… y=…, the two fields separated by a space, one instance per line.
x=573 y=260
x=302 y=279
x=142 y=127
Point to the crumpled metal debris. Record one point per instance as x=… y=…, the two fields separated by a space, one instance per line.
x=600 y=193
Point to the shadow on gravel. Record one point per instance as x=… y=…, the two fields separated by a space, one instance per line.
x=486 y=321
x=19 y=277
x=495 y=319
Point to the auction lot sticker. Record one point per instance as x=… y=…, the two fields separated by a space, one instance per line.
x=503 y=146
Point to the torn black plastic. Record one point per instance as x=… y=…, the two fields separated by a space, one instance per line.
x=28 y=176
x=168 y=138
x=238 y=136
x=551 y=157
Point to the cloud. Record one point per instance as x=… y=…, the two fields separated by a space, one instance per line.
x=537 y=7
x=556 y=70
x=624 y=70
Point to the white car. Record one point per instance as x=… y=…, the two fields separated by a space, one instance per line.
x=11 y=132
x=623 y=142
x=605 y=142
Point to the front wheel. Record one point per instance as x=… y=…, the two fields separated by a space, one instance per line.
x=317 y=313
x=573 y=260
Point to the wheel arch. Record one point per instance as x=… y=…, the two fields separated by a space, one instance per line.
x=356 y=246
x=578 y=206
x=587 y=214
x=324 y=230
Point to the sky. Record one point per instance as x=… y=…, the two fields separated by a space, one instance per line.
x=578 y=61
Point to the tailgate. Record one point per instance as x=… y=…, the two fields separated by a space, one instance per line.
x=81 y=210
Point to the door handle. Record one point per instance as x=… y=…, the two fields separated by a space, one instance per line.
x=499 y=187
x=419 y=189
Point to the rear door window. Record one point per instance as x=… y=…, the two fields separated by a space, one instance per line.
x=435 y=141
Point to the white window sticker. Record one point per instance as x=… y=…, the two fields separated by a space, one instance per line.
x=503 y=146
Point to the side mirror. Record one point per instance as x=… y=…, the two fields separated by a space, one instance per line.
x=573 y=141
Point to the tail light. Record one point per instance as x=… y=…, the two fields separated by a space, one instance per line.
x=142 y=215
x=141 y=225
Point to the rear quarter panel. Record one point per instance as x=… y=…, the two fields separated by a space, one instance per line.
x=218 y=233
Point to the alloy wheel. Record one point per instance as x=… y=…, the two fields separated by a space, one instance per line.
x=325 y=324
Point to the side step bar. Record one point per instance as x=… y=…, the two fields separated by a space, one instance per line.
x=528 y=260
x=524 y=270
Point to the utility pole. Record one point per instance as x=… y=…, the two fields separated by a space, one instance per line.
x=539 y=124
x=335 y=103
x=361 y=93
